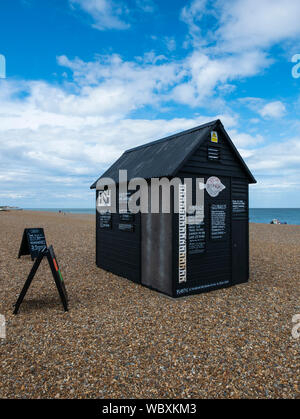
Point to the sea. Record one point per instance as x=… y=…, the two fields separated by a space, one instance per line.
x=257 y=215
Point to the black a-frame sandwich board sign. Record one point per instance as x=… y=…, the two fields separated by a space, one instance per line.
x=33 y=242
x=50 y=255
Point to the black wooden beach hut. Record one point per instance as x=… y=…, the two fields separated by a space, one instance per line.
x=182 y=253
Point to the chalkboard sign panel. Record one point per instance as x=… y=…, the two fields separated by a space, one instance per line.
x=196 y=239
x=126 y=227
x=218 y=213
x=105 y=220
x=127 y=217
x=33 y=242
x=239 y=206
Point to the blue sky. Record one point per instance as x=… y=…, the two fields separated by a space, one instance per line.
x=87 y=79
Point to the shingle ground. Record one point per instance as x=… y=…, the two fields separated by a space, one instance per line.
x=121 y=340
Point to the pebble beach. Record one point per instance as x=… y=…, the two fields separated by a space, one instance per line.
x=121 y=340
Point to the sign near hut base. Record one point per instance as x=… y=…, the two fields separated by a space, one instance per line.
x=33 y=242
x=56 y=273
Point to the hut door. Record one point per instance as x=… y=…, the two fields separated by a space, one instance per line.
x=157 y=252
x=240 y=262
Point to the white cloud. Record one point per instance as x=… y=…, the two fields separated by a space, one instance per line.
x=111 y=85
x=106 y=14
x=75 y=131
x=64 y=140
x=66 y=137
x=273 y=110
x=147 y=6
x=192 y=15
x=276 y=168
x=242 y=24
x=111 y=14
x=242 y=140
x=170 y=43
x=280 y=159
x=13 y=195
x=274 y=183
x=257 y=23
x=231 y=41
x=206 y=73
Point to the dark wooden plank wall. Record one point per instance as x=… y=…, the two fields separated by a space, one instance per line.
x=117 y=251
x=229 y=165
x=240 y=191
x=240 y=222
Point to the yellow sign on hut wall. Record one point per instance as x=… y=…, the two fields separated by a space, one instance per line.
x=214 y=137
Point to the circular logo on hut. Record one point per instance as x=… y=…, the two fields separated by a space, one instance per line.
x=214 y=186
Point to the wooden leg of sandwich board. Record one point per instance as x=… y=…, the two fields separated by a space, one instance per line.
x=28 y=281
x=57 y=281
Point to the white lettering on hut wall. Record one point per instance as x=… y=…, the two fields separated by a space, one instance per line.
x=239 y=205
x=182 y=233
x=201 y=287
